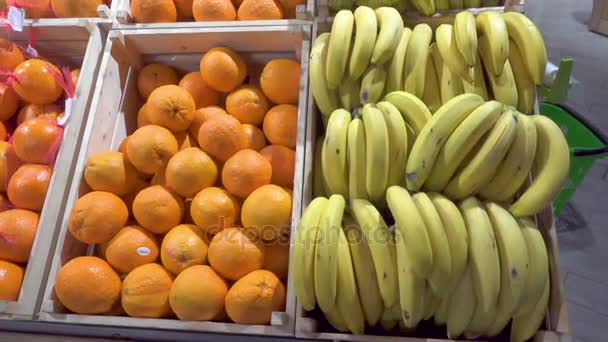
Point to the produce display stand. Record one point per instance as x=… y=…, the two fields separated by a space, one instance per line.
x=75 y=43
x=105 y=17
x=113 y=115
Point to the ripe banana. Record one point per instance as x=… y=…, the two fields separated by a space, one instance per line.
x=377 y=152
x=336 y=319
x=480 y=322
x=483 y=254
x=412 y=228
x=461 y=305
x=378 y=237
x=441 y=5
x=397 y=142
x=415 y=113
x=426 y=7
x=526 y=89
x=465 y=34
x=456 y=4
x=335 y=168
x=451 y=85
x=416 y=59
x=366 y=32
x=339 y=48
x=472 y=3
x=479 y=85
x=461 y=142
x=437 y=59
x=552 y=165
x=503 y=86
x=394 y=79
x=433 y=136
x=326 y=261
x=431 y=302
x=484 y=165
x=450 y=54
x=349 y=92
x=365 y=272
x=432 y=93
x=356 y=159
x=492 y=29
x=525 y=326
x=372 y=84
x=348 y=296
x=515 y=168
x=530 y=42
x=411 y=286
x=326 y=99
x=442 y=263
x=441 y=314
x=319 y=185
x=390 y=26
x=490 y=3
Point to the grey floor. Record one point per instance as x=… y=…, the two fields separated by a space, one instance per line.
x=583 y=227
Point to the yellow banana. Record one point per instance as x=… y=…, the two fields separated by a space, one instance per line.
x=526 y=89
x=530 y=42
x=503 y=86
x=465 y=34
x=339 y=47
x=366 y=32
x=319 y=185
x=478 y=86
x=377 y=152
x=416 y=59
x=450 y=55
x=525 y=326
x=426 y=7
x=348 y=296
x=394 y=79
x=372 y=84
x=462 y=304
x=450 y=85
x=398 y=144
x=411 y=286
x=349 y=92
x=492 y=29
x=335 y=168
x=415 y=113
x=325 y=98
x=390 y=26
x=356 y=159
x=432 y=91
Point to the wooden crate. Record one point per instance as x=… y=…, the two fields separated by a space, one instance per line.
x=76 y=45
x=105 y=17
x=113 y=115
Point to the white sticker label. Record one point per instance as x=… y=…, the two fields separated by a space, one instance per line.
x=31 y=51
x=143 y=251
x=16 y=17
x=62 y=120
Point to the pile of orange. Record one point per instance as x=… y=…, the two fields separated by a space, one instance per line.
x=29 y=141
x=193 y=212
x=35 y=9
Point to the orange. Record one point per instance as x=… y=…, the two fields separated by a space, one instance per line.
x=289 y=7
x=281 y=125
x=190 y=171
x=31 y=111
x=172 y=107
x=140 y=184
x=6 y=167
x=143 y=118
x=9 y=102
x=150 y=148
x=110 y=171
x=11 y=277
x=198 y=294
x=38 y=9
x=4 y=204
x=10 y=55
x=213 y=10
x=248 y=104
x=28 y=186
x=276 y=259
x=254 y=298
x=182 y=247
x=153 y=11
x=246 y=171
x=132 y=247
x=283 y=161
x=158 y=209
x=97 y=216
x=75 y=75
x=184 y=8
x=213 y=209
x=255 y=137
x=37 y=141
x=185 y=140
x=17 y=233
x=87 y=285
x=75 y=9
x=267 y=212
x=202 y=115
x=153 y=76
x=35 y=82
x=159 y=178
x=145 y=292
x=280 y=81
x=233 y=254
x=223 y=69
x=2 y=132
x=222 y=136
x=260 y=10
x=202 y=94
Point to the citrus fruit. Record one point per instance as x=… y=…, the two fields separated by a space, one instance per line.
x=213 y=10
x=185 y=140
x=202 y=115
x=97 y=216
x=202 y=94
x=248 y=104
x=37 y=141
x=153 y=76
x=283 y=161
x=255 y=137
x=260 y=10
x=17 y=233
x=222 y=136
x=28 y=186
x=289 y=7
x=246 y=171
x=153 y=11
x=233 y=254
x=253 y=298
x=11 y=277
x=110 y=171
x=276 y=258
x=75 y=9
x=131 y=247
x=184 y=8
x=9 y=102
x=143 y=119
x=182 y=247
x=172 y=107
x=190 y=171
x=267 y=212
x=223 y=69
x=10 y=55
x=281 y=125
x=145 y=292
x=150 y=148
x=31 y=111
x=36 y=81
x=198 y=294
x=280 y=81
x=213 y=209
x=158 y=209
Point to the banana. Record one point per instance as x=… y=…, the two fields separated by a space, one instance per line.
x=465 y=35
x=416 y=59
x=336 y=319
x=484 y=165
x=526 y=89
x=432 y=93
x=441 y=314
x=388 y=322
x=490 y=3
x=365 y=272
x=478 y=86
x=377 y=152
x=492 y=29
x=335 y=168
x=483 y=254
x=339 y=47
x=326 y=99
x=442 y=263
x=461 y=142
x=472 y=3
x=503 y=86
x=552 y=165
x=415 y=113
x=426 y=7
x=304 y=252
x=437 y=60
x=480 y=322
x=397 y=142
x=450 y=54
x=378 y=237
x=356 y=159
x=411 y=286
x=372 y=84
x=461 y=305
x=456 y=4
x=431 y=303
x=441 y=5
x=530 y=42
x=319 y=185
x=349 y=92
x=326 y=261
x=515 y=168
x=538 y=270
x=525 y=326
x=394 y=79
x=434 y=134
x=409 y=6
x=348 y=296
x=411 y=226
x=450 y=85
x=390 y=26
x=366 y=32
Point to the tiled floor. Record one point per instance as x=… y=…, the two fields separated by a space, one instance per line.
x=583 y=228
